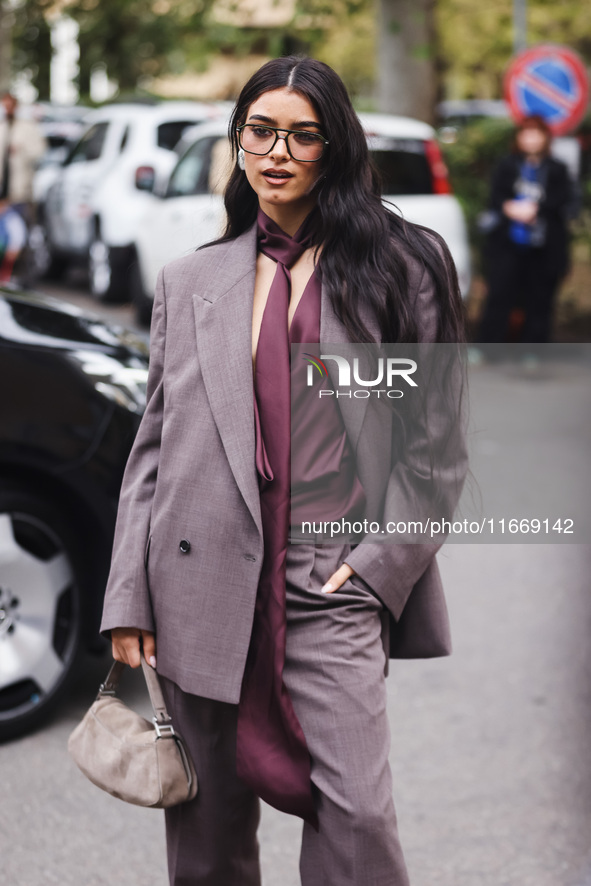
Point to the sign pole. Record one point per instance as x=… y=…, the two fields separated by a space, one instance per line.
x=519 y=25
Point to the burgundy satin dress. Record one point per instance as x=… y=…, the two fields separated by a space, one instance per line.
x=271 y=752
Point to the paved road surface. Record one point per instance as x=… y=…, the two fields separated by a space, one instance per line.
x=491 y=748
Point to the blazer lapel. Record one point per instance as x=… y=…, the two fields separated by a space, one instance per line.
x=332 y=331
x=223 y=321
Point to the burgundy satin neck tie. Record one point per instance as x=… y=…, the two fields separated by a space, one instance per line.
x=271 y=752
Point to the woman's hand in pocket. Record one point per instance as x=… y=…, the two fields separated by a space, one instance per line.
x=337 y=579
x=126 y=646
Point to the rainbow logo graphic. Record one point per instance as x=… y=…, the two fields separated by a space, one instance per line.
x=315 y=362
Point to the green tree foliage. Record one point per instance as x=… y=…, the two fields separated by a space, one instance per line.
x=31 y=42
x=139 y=39
x=343 y=34
x=476 y=40
x=132 y=38
x=471 y=161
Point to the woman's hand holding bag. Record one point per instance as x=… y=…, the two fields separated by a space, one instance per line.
x=142 y=762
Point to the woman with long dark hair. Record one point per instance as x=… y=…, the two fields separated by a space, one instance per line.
x=272 y=654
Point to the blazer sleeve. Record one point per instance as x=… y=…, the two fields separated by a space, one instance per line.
x=392 y=570
x=127 y=597
x=503 y=181
x=559 y=194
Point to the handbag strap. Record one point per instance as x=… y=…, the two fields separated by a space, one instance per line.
x=111 y=684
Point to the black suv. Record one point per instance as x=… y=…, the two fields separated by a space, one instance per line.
x=72 y=392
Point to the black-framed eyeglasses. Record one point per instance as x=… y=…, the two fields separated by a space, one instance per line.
x=306 y=147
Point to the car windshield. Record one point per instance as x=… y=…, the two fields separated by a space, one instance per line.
x=204 y=169
x=402 y=165
x=169 y=133
x=90 y=145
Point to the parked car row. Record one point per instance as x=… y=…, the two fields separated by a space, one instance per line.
x=144 y=185
x=91 y=205
x=62 y=126
x=71 y=404
x=188 y=211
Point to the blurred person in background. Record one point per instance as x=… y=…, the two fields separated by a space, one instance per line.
x=526 y=251
x=13 y=238
x=21 y=147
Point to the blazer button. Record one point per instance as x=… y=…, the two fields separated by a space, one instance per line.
x=185 y=546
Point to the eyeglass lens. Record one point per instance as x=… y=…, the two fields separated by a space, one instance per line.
x=301 y=145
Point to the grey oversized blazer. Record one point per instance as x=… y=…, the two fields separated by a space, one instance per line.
x=188 y=542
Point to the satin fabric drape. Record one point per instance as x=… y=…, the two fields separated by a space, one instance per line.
x=316 y=479
x=271 y=752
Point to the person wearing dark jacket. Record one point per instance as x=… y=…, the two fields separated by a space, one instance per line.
x=526 y=253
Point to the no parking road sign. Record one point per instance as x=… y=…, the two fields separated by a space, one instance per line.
x=550 y=81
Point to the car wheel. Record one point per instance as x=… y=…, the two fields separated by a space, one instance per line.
x=41 y=260
x=105 y=279
x=40 y=610
x=142 y=304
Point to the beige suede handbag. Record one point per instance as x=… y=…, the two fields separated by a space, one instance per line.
x=141 y=762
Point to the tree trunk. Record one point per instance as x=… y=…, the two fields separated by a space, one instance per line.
x=407 y=78
x=6 y=22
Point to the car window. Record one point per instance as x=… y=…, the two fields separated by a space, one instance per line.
x=402 y=165
x=191 y=174
x=91 y=144
x=124 y=139
x=169 y=133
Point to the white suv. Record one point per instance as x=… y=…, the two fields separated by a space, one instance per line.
x=190 y=212
x=96 y=202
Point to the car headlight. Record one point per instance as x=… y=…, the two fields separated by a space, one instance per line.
x=122 y=382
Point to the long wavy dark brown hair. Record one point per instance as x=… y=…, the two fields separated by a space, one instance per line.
x=364 y=244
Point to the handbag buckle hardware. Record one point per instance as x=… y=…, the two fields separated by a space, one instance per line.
x=105 y=689
x=163 y=730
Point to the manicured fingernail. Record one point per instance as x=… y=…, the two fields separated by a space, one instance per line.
x=327 y=588
x=152 y=661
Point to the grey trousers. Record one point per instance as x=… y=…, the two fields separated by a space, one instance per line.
x=334 y=671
